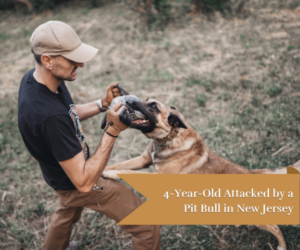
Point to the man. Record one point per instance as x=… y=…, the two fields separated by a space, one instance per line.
x=49 y=123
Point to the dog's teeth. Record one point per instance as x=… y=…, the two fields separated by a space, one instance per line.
x=144 y=121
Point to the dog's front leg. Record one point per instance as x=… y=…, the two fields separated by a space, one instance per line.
x=113 y=174
x=142 y=161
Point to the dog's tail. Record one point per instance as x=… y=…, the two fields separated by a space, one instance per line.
x=276 y=170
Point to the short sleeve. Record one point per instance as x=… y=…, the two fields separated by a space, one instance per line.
x=58 y=132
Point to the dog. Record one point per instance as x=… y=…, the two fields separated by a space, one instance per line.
x=178 y=149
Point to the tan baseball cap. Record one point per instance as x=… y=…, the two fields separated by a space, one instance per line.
x=57 y=38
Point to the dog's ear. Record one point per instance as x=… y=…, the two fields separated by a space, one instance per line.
x=175 y=121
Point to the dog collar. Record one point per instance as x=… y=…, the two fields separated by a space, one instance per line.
x=166 y=141
x=169 y=137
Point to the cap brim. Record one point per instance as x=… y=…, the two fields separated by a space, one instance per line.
x=82 y=54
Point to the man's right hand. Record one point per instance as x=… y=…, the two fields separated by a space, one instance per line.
x=117 y=120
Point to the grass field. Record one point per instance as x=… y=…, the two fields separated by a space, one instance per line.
x=235 y=80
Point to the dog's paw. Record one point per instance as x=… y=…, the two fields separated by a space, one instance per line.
x=111 y=174
x=281 y=248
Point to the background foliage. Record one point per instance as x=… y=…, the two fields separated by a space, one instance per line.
x=154 y=13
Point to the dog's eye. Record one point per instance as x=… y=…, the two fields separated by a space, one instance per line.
x=152 y=105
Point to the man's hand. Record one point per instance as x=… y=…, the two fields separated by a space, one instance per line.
x=112 y=91
x=117 y=120
x=87 y=110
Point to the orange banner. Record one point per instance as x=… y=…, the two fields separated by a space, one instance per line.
x=198 y=199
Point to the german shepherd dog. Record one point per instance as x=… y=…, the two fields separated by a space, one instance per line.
x=176 y=148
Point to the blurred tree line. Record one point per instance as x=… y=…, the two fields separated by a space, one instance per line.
x=154 y=13
x=158 y=13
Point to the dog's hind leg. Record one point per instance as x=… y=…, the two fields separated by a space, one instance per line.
x=274 y=229
x=282 y=170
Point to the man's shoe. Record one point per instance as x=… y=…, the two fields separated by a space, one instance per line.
x=73 y=245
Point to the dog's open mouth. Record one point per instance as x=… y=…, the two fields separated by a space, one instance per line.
x=140 y=118
x=139 y=122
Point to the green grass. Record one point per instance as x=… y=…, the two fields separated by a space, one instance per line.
x=26 y=32
x=291 y=47
x=201 y=99
x=274 y=90
x=209 y=85
x=3 y=36
x=86 y=11
x=157 y=76
x=275 y=126
x=22 y=201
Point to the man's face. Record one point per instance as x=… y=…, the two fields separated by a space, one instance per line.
x=64 y=69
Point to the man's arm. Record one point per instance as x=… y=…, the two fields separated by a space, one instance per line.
x=87 y=110
x=84 y=174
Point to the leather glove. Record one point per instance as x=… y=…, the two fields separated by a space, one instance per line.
x=117 y=120
x=112 y=91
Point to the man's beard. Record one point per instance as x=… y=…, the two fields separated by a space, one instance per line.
x=63 y=78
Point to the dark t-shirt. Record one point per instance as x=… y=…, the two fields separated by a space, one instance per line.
x=50 y=128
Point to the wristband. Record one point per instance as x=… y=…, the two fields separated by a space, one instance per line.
x=100 y=106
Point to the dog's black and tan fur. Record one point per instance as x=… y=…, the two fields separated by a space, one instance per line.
x=186 y=153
